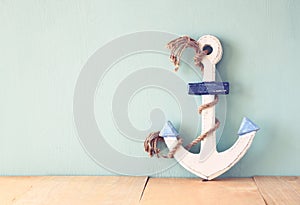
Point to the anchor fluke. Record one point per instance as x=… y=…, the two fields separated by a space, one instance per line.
x=168 y=130
x=247 y=126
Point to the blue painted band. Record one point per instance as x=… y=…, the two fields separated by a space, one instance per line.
x=208 y=88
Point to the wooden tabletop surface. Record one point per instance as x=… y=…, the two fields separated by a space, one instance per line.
x=90 y=190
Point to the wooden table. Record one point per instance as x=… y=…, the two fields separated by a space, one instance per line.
x=90 y=190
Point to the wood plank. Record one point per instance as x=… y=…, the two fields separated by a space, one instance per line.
x=279 y=190
x=12 y=188
x=71 y=190
x=195 y=191
x=294 y=182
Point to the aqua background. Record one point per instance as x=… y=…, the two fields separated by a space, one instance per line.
x=45 y=44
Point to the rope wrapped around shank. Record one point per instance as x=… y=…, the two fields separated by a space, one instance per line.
x=177 y=47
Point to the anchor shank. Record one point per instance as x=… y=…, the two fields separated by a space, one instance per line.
x=208 y=145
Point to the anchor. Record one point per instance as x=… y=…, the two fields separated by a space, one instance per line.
x=208 y=163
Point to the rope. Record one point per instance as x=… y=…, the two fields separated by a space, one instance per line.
x=204 y=135
x=173 y=151
x=177 y=46
x=150 y=145
x=208 y=105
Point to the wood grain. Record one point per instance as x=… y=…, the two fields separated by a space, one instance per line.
x=13 y=188
x=194 y=191
x=79 y=190
x=279 y=190
x=71 y=190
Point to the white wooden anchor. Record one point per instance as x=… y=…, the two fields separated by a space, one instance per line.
x=210 y=163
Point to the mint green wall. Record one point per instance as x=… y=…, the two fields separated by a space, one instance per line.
x=45 y=44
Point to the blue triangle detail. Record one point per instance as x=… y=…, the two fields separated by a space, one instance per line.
x=247 y=126
x=168 y=130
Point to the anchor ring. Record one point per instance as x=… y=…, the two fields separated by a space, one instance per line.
x=211 y=41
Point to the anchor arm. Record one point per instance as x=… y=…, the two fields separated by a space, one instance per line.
x=218 y=162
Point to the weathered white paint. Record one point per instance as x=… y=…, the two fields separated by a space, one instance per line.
x=217 y=163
